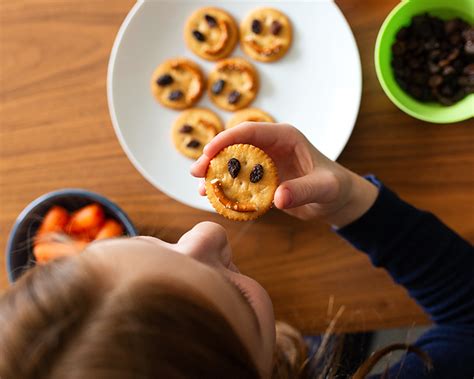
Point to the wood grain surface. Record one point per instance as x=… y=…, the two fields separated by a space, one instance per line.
x=56 y=132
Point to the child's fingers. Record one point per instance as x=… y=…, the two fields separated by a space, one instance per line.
x=254 y=133
x=202 y=188
x=258 y=134
x=318 y=187
x=199 y=168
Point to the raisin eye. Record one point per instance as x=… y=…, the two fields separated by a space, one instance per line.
x=186 y=129
x=164 y=80
x=275 y=28
x=193 y=144
x=233 y=97
x=175 y=95
x=234 y=167
x=256 y=26
x=211 y=21
x=257 y=173
x=218 y=86
x=199 y=36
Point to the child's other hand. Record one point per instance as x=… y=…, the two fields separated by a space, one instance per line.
x=312 y=186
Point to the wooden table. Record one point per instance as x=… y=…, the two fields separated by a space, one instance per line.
x=56 y=132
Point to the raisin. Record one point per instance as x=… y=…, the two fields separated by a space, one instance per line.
x=234 y=167
x=276 y=27
x=211 y=21
x=218 y=86
x=399 y=48
x=433 y=68
x=257 y=173
x=453 y=55
x=175 y=95
x=414 y=63
x=403 y=34
x=458 y=65
x=431 y=59
x=186 y=129
x=434 y=54
x=447 y=90
x=459 y=95
x=449 y=70
x=193 y=144
x=199 y=36
x=398 y=62
x=256 y=26
x=443 y=63
x=469 y=47
x=415 y=91
x=455 y=39
x=412 y=44
x=469 y=69
x=466 y=81
x=468 y=34
x=234 y=97
x=402 y=83
x=420 y=77
x=451 y=26
x=164 y=80
x=435 y=81
x=444 y=100
x=431 y=44
x=421 y=26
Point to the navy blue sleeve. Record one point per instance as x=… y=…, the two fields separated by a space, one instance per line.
x=436 y=266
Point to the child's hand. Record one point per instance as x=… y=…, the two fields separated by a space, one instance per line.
x=312 y=186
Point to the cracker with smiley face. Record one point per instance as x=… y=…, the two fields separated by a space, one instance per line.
x=233 y=84
x=211 y=33
x=248 y=114
x=193 y=129
x=177 y=83
x=266 y=34
x=241 y=181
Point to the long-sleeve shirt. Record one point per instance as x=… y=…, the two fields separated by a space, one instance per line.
x=436 y=266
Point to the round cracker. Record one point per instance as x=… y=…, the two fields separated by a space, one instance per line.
x=205 y=125
x=239 y=75
x=228 y=194
x=187 y=78
x=220 y=39
x=266 y=46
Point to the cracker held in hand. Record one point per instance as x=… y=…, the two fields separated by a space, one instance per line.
x=241 y=181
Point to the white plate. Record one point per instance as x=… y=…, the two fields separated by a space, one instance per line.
x=316 y=86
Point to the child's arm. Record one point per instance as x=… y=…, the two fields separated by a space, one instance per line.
x=431 y=261
x=312 y=185
x=436 y=266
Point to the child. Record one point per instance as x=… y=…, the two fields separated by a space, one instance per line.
x=144 y=308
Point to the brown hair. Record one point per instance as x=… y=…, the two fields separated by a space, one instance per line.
x=58 y=321
x=62 y=320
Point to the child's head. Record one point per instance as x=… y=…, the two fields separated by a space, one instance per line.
x=139 y=307
x=143 y=308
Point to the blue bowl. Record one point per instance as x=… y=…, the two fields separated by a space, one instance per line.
x=19 y=251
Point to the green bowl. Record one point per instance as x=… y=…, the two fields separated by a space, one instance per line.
x=401 y=16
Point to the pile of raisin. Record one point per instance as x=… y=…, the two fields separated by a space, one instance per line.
x=433 y=59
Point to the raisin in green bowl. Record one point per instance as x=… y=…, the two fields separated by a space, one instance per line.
x=401 y=16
